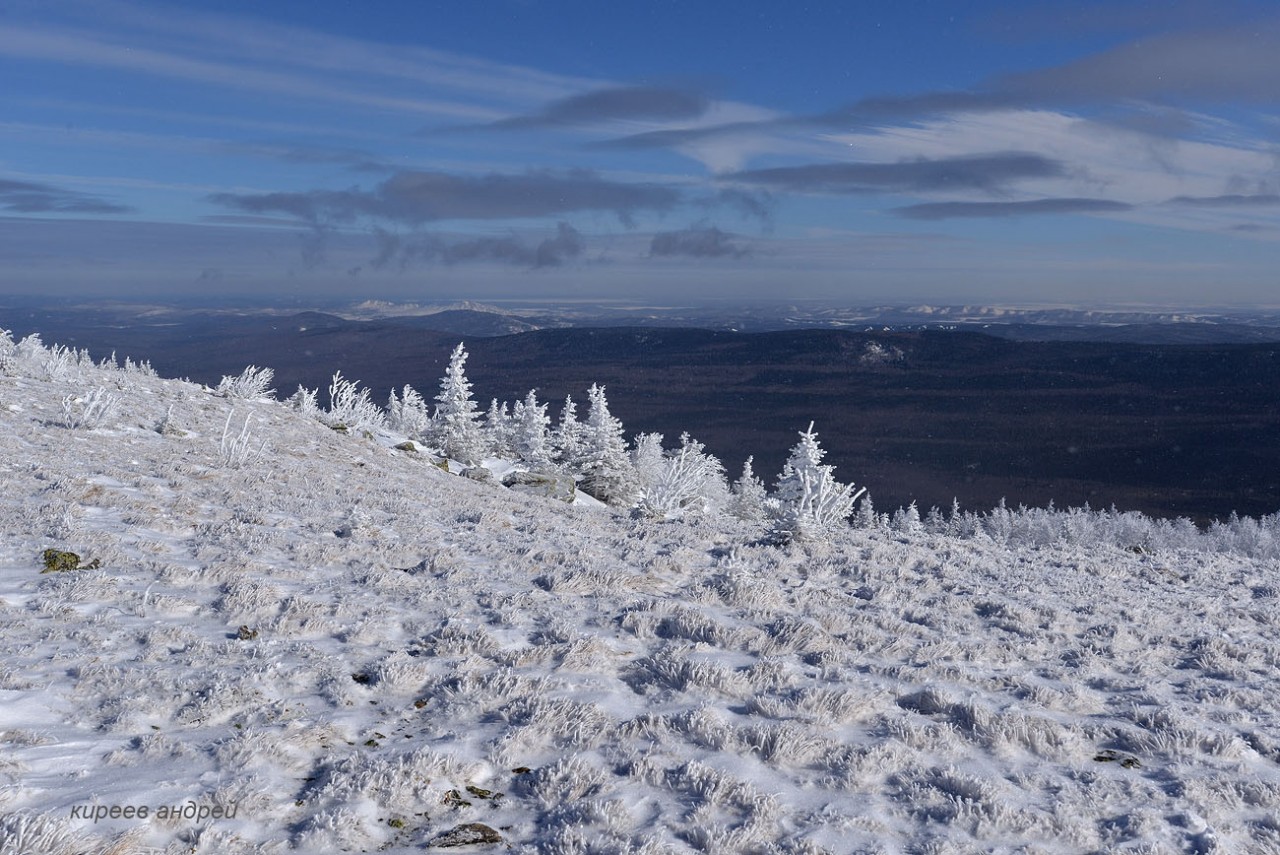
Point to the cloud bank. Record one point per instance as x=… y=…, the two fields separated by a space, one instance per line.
x=698 y=241
x=414 y=198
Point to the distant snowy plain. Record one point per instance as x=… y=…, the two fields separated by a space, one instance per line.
x=342 y=648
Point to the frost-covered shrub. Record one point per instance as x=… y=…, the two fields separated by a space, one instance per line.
x=907 y=520
x=8 y=349
x=39 y=834
x=90 y=410
x=304 y=401
x=142 y=369
x=685 y=480
x=498 y=430
x=251 y=384
x=239 y=451
x=351 y=406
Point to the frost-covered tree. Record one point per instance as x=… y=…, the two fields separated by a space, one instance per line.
x=907 y=520
x=685 y=480
x=812 y=505
x=455 y=427
x=749 y=497
x=566 y=439
x=607 y=472
x=866 y=517
x=532 y=436
x=408 y=414
x=499 y=430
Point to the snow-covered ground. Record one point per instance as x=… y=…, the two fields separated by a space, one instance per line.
x=340 y=647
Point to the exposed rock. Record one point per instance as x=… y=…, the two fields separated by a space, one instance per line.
x=466 y=835
x=60 y=561
x=549 y=484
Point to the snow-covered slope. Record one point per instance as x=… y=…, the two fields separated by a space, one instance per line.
x=341 y=647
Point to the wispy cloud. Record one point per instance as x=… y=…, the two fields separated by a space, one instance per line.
x=79 y=49
x=955 y=210
x=1145 y=83
x=259 y=41
x=1230 y=200
x=986 y=172
x=27 y=197
x=611 y=104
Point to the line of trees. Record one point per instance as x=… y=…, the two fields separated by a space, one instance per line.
x=807 y=502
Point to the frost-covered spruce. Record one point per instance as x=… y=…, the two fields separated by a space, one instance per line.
x=811 y=504
x=749 y=497
x=408 y=414
x=499 y=430
x=566 y=439
x=607 y=473
x=532 y=436
x=455 y=427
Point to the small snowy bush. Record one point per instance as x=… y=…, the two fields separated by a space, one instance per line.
x=351 y=406
x=251 y=384
x=239 y=451
x=686 y=480
x=90 y=410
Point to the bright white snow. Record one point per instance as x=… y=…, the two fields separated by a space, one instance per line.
x=415 y=644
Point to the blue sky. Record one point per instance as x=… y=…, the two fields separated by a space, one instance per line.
x=877 y=152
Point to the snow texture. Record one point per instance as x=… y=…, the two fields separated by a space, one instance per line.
x=283 y=638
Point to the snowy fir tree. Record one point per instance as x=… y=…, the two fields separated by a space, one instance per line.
x=866 y=517
x=455 y=427
x=408 y=414
x=812 y=505
x=907 y=520
x=607 y=472
x=532 y=437
x=566 y=439
x=749 y=497
x=499 y=430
